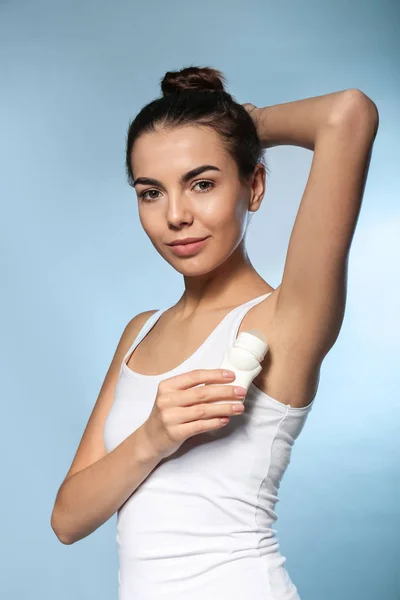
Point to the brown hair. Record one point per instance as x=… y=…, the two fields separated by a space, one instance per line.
x=196 y=95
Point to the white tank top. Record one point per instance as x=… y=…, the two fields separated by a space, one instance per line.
x=199 y=527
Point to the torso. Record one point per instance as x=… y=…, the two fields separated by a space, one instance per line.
x=287 y=373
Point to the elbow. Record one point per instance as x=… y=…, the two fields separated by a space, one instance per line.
x=60 y=534
x=357 y=112
x=366 y=110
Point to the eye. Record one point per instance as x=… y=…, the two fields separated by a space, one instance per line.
x=204 y=181
x=143 y=194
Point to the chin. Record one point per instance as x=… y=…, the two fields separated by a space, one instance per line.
x=192 y=270
x=196 y=266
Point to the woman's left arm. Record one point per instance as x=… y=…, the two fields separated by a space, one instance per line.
x=340 y=128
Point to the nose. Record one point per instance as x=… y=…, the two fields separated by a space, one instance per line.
x=179 y=212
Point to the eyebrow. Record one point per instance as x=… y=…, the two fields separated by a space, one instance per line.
x=184 y=179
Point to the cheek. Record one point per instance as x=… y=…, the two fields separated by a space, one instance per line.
x=149 y=221
x=223 y=211
x=231 y=217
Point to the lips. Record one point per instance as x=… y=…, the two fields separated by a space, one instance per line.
x=186 y=241
x=188 y=249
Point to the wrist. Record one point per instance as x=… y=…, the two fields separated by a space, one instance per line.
x=146 y=449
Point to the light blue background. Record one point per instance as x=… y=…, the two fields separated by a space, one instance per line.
x=76 y=266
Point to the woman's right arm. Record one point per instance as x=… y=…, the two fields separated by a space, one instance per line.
x=97 y=483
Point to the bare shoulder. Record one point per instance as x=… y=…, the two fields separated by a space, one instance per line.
x=134 y=326
x=91 y=447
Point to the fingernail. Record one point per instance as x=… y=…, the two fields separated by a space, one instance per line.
x=228 y=374
x=240 y=391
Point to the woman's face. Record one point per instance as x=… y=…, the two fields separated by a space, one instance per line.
x=212 y=204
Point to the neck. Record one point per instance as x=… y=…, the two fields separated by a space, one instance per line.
x=232 y=283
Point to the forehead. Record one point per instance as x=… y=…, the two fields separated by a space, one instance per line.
x=176 y=150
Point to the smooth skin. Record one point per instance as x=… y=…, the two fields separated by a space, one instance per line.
x=305 y=312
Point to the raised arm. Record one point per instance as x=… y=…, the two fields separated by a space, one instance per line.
x=340 y=128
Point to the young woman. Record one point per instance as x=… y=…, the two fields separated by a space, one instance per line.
x=195 y=489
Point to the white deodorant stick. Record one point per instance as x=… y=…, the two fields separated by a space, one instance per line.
x=244 y=358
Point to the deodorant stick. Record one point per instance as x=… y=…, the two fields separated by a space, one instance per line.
x=244 y=358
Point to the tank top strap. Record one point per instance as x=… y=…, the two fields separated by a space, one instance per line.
x=230 y=323
x=148 y=324
x=240 y=312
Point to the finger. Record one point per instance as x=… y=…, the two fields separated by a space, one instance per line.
x=196 y=427
x=248 y=106
x=206 y=411
x=213 y=393
x=196 y=377
x=209 y=411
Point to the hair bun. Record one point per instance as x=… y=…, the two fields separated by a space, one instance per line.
x=192 y=78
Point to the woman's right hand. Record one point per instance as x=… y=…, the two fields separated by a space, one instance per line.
x=182 y=410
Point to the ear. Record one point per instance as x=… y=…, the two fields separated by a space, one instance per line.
x=257 y=188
